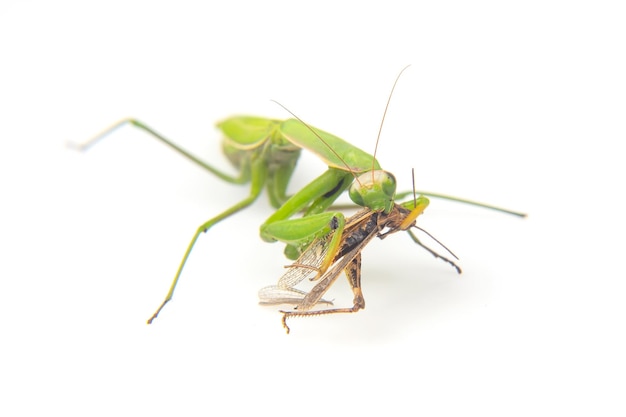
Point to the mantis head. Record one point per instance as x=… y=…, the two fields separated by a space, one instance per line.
x=374 y=190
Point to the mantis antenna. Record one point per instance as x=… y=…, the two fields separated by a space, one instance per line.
x=321 y=140
x=380 y=129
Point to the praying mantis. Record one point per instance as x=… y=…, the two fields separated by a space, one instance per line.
x=265 y=152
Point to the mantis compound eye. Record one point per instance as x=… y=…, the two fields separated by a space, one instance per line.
x=374 y=190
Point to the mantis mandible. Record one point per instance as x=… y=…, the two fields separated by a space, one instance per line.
x=265 y=153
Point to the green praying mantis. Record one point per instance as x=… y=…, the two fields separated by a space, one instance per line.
x=265 y=152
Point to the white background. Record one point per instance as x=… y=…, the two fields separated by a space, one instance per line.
x=521 y=105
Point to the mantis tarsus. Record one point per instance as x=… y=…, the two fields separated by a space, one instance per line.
x=265 y=153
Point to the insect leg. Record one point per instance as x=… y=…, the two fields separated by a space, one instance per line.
x=242 y=178
x=353 y=273
x=259 y=175
x=432 y=252
x=314 y=198
x=400 y=196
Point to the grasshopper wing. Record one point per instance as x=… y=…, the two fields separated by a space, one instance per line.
x=306 y=266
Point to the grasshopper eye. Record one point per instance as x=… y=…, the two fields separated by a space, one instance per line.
x=374 y=190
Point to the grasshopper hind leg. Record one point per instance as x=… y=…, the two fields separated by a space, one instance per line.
x=353 y=273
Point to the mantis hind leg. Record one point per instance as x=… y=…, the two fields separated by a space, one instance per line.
x=242 y=178
x=259 y=176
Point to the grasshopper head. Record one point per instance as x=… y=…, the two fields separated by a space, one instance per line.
x=374 y=190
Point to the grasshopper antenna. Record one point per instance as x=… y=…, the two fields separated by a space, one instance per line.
x=423 y=230
x=429 y=235
x=414 y=194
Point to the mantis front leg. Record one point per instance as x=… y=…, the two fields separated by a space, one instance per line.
x=298 y=233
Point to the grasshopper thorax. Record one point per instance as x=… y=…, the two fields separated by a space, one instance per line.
x=374 y=190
